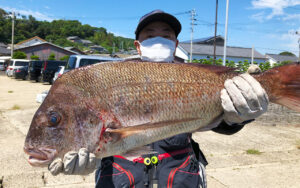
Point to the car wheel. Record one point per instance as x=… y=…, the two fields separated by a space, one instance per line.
x=27 y=77
x=39 y=79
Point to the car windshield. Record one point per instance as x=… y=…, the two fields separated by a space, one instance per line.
x=1 y=63
x=11 y=63
x=84 y=62
x=21 y=63
x=71 y=63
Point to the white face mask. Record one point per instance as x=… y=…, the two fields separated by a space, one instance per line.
x=157 y=49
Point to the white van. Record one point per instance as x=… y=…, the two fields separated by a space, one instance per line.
x=14 y=64
x=76 y=61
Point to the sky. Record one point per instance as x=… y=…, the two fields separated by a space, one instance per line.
x=268 y=25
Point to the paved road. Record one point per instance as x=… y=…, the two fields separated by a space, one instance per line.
x=229 y=165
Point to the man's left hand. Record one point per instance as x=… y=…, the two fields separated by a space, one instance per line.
x=243 y=99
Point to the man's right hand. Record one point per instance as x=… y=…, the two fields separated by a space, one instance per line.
x=81 y=163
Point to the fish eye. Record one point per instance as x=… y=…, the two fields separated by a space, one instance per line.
x=54 y=118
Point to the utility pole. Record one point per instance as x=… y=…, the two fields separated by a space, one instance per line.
x=216 y=22
x=113 y=52
x=226 y=28
x=12 y=34
x=193 y=14
x=298 y=33
x=299 y=49
x=252 y=56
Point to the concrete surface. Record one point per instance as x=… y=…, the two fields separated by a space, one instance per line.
x=278 y=165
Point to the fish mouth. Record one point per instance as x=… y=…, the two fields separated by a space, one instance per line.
x=40 y=156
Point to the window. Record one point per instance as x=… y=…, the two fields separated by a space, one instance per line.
x=21 y=63
x=71 y=63
x=84 y=62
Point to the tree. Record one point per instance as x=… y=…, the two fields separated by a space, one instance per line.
x=265 y=66
x=245 y=65
x=65 y=58
x=58 y=30
x=219 y=62
x=34 y=57
x=51 y=56
x=19 y=55
x=287 y=53
x=230 y=64
x=281 y=63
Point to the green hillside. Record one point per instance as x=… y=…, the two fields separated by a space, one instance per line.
x=57 y=31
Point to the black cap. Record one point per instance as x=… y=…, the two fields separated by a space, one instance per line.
x=158 y=15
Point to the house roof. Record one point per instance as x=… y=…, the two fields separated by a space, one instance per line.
x=71 y=48
x=96 y=46
x=86 y=41
x=280 y=58
x=204 y=40
x=204 y=49
x=73 y=37
x=43 y=43
x=2 y=44
x=36 y=37
x=4 y=51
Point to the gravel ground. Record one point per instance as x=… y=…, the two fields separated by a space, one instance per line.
x=277 y=164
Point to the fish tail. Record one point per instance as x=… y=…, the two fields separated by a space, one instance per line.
x=282 y=85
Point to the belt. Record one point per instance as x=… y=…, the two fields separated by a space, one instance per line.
x=159 y=157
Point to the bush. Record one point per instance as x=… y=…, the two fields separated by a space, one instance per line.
x=51 y=56
x=265 y=66
x=65 y=58
x=230 y=64
x=34 y=57
x=19 y=55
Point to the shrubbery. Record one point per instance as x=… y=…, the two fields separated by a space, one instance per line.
x=241 y=66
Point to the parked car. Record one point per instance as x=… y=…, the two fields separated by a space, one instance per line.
x=58 y=73
x=14 y=64
x=76 y=61
x=21 y=72
x=2 y=67
x=49 y=69
x=34 y=70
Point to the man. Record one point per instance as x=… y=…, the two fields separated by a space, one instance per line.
x=176 y=161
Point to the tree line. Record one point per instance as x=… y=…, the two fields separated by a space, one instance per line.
x=241 y=66
x=57 y=31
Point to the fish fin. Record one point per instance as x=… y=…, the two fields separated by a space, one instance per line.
x=128 y=131
x=138 y=152
x=285 y=89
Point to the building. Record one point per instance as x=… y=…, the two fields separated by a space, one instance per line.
x=29 y=42
x=4 y=51
x=78 y=40
x=207 y=40
x=276 y=58
x=74 y=49
x=44 y=49
x=98 y=48
x=204 y=49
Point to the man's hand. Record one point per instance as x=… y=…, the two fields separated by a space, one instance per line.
x=243 y=99
x=81 y=163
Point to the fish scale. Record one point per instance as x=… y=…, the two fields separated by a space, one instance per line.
x=112 y=108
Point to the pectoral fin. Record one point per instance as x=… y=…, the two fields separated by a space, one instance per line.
x=131 y=130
